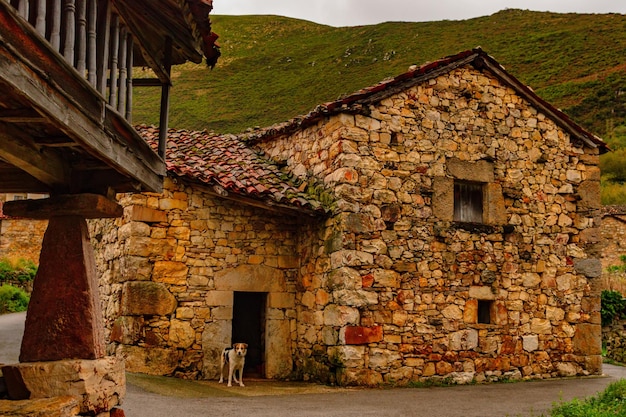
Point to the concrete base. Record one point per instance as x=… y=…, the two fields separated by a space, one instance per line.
x=98 y=385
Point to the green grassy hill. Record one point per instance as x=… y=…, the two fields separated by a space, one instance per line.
x=274 y=68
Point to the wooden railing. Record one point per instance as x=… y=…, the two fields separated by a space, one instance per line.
x=92 y=38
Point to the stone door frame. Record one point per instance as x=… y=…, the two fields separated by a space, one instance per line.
x=280 y=310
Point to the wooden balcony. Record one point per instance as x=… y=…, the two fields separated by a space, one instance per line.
x=66 y=85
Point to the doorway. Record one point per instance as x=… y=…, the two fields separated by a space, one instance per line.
x=249 y=327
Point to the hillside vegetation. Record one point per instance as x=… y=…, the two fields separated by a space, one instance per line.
x=274 y=68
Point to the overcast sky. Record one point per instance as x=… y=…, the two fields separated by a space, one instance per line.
x=365 y=12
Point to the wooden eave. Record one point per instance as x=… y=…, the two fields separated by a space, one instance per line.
x=152 y=22
x=58 y=134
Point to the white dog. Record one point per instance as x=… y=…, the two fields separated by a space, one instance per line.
x=234 y=357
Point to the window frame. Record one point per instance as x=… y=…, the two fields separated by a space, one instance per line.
x=469 y=202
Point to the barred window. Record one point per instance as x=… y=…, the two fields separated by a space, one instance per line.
x=468 y=202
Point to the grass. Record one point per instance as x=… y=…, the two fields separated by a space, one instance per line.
x=12 y=299
x=610 y=402
x=19 y=270
x=274 y=68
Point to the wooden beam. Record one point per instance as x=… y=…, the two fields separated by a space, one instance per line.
x=21 y=116
x=88 y=206
x=16 y=181
x=18 y=149
x=41 y=77
x=56 y=142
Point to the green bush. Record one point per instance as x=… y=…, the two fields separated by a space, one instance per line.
x=610 y=402
x=12 y=299
x=613 y=306
x=21 y=270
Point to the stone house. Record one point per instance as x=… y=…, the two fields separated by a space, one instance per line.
x=441 y=224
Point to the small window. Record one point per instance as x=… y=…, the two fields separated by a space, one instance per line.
x=468 y=202
x=484 y=311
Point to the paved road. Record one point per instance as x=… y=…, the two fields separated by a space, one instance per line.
x=165 y=397
x=11 y=330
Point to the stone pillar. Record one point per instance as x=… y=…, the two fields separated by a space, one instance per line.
x=63 y=349
x=64 y=319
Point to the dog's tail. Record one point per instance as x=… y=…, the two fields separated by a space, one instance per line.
x=225 y=354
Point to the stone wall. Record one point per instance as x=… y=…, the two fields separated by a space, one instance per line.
x=21 y=238
x=614 y=340
x=400 y=291
x=170 y=268
x=613 y=240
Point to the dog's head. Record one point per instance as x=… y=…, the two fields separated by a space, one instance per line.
x=240 y=349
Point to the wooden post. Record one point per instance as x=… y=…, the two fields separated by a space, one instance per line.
x=91 y=42
x=165 y=99
x=55 y=34
x=70 y=31
x=115 y=49
x=81 y=39
x=40 y=22
x=102 y=56
x=129 y=99
x=22 y=8
x=121 y=106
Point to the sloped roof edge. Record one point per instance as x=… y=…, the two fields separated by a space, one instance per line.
x=357 y=101
x=234 y=171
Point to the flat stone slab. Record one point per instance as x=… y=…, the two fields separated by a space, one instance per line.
x=97 y=385
x=66 y=406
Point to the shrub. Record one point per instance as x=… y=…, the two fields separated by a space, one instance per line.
x=613 y=306
x=20 y=270
x=12 y=299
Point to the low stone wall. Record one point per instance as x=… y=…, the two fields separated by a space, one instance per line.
x=23 y=285
x=614 y=340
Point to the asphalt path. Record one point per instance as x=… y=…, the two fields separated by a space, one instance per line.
x=264 y=398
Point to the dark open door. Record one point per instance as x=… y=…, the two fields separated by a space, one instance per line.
x=249 y=327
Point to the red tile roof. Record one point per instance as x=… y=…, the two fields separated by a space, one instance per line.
x=227 y=162
x=360 y=100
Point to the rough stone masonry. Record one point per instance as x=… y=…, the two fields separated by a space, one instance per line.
x=390 y=287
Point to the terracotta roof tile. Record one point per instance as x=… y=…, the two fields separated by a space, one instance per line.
x=226 y=161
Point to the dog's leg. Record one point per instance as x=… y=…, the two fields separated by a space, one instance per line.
x=231 y=371
x=241 y=376
x=221 y=368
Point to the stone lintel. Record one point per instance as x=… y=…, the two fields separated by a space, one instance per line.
x=97 y=385
x=360 y=335
x=88 y=206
